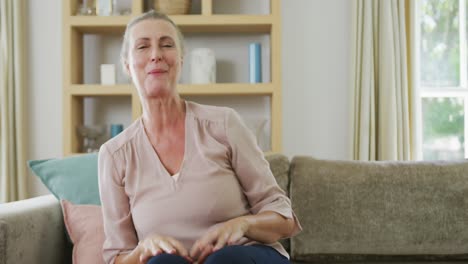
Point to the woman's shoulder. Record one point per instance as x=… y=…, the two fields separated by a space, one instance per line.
x=208 y=112
x=127 y=135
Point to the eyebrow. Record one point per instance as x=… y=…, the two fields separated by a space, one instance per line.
x=162 y=38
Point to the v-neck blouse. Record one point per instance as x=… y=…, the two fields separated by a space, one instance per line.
x=175 y=177
x=223 y=175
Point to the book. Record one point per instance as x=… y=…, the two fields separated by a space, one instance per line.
x=255 y=63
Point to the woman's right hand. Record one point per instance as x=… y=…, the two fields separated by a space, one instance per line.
x=156 y=244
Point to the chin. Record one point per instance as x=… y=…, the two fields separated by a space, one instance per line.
x=158 y=88
x=158 y=91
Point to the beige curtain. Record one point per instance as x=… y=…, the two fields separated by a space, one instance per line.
x=380 y=93
x=13 y=185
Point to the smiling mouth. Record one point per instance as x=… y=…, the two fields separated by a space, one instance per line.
x=157 y=72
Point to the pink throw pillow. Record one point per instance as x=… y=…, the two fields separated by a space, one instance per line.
x=86 y=231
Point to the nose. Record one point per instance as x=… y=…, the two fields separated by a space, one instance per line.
x=156 y=54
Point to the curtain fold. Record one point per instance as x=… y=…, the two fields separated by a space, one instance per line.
x=13 y=176
x=412 y=31
x=381 y=91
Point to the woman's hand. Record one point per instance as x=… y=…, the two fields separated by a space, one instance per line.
x=229 y=233
x=156 y=244
x=265 y=227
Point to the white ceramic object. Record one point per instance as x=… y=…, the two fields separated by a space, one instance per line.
x=203 y=66
x=104 y=7
x=107 y=74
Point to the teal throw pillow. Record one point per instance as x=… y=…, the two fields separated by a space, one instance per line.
x=73 y=178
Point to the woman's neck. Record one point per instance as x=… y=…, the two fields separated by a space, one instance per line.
x=161 y=116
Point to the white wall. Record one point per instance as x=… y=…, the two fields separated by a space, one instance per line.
x=316 y=59
x=44 y=100
x=315 y=54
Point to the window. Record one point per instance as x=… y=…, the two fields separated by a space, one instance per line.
x=442 y=78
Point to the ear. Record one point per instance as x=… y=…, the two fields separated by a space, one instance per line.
x=127 y=68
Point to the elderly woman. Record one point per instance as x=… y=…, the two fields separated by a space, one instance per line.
x=185 y=182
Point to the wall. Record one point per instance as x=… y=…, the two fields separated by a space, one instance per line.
x=44 y=96
x=315 y=56
x=316 y=59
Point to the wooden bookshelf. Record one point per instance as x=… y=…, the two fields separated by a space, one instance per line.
x=74 y=28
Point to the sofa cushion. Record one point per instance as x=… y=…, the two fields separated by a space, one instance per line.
x=354 y=210
x=72 y=178
x=85 y=227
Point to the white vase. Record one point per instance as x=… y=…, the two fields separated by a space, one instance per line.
x=203 y=66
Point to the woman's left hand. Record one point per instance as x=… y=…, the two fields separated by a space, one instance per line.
x=229 y=233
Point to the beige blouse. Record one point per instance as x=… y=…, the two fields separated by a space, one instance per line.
x=223 y=175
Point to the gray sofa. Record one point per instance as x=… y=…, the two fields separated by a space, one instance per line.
x=351 y=212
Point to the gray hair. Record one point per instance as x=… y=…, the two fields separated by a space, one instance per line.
x=147 y=16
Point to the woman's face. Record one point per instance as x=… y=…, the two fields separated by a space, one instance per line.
x=154 y=58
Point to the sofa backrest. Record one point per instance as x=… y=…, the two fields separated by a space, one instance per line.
x=279 y=165
x=354 y=210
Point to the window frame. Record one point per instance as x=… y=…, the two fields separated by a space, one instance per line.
x=441 y=92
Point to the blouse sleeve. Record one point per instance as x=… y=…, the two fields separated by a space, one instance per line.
x=253 y=171
x=120 y=234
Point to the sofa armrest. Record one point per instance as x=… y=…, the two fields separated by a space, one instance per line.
x=32 y=231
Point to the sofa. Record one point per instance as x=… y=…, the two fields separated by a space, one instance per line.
x=350 y=211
